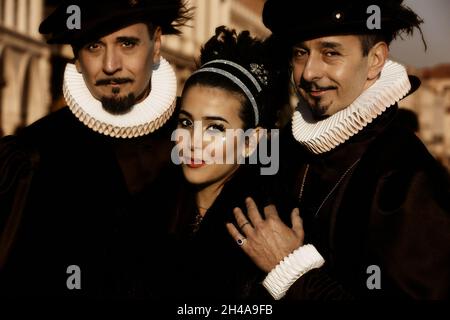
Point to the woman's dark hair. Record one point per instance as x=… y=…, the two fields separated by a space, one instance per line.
x=246 y=51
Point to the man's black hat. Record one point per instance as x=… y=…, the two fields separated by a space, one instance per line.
x=101 y=17
x=299 y=20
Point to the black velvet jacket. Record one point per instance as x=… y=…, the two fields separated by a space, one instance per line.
x=208 y=265
x=391 y=210
x=71 y=196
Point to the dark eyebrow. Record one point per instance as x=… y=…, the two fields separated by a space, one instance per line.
x=210 y=118
x=300 y=45
x=187 y=114
x=128 y=39
x=92 y=42
x=215 y=119
x=331 y=45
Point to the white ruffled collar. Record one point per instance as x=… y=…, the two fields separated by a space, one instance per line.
x=145 y=117
x=325 y=135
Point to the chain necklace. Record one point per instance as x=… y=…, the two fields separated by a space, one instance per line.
x=300 y=196
x=198 y=219
x=197 y=223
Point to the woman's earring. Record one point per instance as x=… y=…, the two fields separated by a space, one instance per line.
x=155 y=66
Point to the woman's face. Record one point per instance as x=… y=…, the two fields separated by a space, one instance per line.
x=206 y=113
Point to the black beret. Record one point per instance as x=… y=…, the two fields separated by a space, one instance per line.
x=101 y=17
x=298 y=20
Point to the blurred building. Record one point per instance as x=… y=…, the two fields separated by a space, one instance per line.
x=183 y=51
x=432 y=105
x=24 y=65
x=31 y=71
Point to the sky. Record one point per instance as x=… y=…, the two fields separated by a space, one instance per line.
x=436 y=29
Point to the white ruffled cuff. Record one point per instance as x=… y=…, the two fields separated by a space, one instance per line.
x=291 y=268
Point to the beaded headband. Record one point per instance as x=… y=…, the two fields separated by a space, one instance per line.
x=238 y=75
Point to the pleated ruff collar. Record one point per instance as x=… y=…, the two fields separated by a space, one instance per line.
x=324 y=135
x=145 y=117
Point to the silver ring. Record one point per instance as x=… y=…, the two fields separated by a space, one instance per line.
x=241 y=241
x=244 y=224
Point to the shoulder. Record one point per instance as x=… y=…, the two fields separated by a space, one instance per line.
x=51 y=129
x=22 y=150
x=54 y=123
x=15 y=151
x=400 y=149
x=58 y=118
x=404 y=171
x=26 y=149
x=18 y=160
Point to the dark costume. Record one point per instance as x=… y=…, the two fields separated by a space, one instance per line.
x=209 y=265
x=82 y=206
x=370 y=194
x=391 y=210
x=71 y=184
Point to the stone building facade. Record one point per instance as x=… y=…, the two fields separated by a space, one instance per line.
x=24 y=65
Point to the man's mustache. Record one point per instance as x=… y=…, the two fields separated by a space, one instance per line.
x=104 y=82
x=312 y=86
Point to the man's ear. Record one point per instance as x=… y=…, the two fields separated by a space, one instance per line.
x=252 y=142
x=157 y=45
x=376 y=59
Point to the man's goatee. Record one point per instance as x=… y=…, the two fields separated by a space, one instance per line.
x=119 y=105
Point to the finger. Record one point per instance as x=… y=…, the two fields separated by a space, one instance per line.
x=297 y=222
x=233 y=231
x=253 y=212
x=271 y=212
x=242 y=222
x=236 y=235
